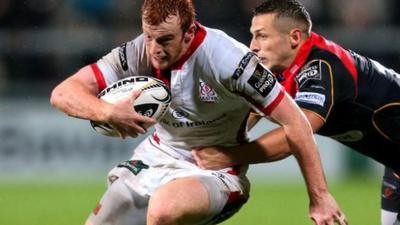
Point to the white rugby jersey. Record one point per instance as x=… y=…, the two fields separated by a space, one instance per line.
x=213 y=88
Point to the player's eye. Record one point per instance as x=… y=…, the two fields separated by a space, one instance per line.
x=165 y=40
x=147 y=37
x=262 y=36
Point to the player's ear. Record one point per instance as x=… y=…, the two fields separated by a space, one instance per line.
x=295 y=37
x=189 y=34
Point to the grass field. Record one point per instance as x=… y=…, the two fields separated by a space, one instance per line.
x=26 y=203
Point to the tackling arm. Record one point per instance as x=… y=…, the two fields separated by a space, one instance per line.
x=295 y=136
x=300 y=139
x=271 y=146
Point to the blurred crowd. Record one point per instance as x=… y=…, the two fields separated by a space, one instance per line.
x=43 y=41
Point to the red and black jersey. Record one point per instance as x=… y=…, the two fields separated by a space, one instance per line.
x=357 y=97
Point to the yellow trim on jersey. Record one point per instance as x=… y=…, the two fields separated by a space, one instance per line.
x=376 y=126
x=332 y=88
x=321 y=117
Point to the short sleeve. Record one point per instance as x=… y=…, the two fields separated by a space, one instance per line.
x=126 y=60
x=257 y=84
x=316 y=91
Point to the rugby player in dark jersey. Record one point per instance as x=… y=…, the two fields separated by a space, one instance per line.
x=344 y=95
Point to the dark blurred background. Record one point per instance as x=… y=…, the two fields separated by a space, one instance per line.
x=44 y=41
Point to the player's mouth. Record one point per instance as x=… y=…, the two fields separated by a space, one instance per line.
x=160 y=59
x=263 y=60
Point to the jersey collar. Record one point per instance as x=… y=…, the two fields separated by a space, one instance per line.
x=165 y=75
x=197 y=40
x=301 y=57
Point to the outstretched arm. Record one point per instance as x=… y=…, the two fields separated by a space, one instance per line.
x=269 y=147
x=295 y=136
x=300 y=140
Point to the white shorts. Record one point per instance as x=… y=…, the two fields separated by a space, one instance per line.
x=153 y=165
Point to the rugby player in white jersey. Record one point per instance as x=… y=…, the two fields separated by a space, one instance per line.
x=214 y=82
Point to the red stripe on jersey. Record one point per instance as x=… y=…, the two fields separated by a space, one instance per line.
x=235 y=201
x=343 y=55
x=99 y=76
x=267 y=110
x=164 y=75
x=156 y=138
x=235 y=197
x=234 y=171
x=252 y=101
x=197 y=40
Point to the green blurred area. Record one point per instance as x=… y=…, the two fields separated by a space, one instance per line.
x=59 y=203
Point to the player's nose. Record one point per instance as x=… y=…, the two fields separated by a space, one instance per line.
x=154 y=48
x=254 y=46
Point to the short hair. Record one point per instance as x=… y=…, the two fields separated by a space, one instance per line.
x=285 y=9
x=155 y=12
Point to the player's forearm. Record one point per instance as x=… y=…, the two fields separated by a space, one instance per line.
x=300 y=140
x=269 y=147
x=74 y=99
x=253 y=153
x=303 y=147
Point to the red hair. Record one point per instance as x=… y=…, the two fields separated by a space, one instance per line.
x=155 y=12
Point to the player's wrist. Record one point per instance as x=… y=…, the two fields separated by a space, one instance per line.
x=105 y=112
x=319 y=196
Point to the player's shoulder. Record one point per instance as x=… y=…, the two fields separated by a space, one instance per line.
x=321 y=54
x=220 y=41
x=328 y=51
x=222 y=50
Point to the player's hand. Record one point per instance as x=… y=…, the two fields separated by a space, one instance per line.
x=123 y=117
x=212 y=158
x=326 y=211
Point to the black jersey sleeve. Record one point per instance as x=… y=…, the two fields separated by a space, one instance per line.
x=315 y=87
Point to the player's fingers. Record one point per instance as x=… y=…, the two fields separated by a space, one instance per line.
x=321 y=221
x=341 y=219
x=131 y=133
x=145 y=120
x=135 y=94
x=136 y=128
x=125 y=131
x=122 y=134
x=315 y=220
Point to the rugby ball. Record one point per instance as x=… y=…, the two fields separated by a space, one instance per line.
x=153 y=100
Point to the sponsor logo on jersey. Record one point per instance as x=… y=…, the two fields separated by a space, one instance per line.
x=312 y=71
x=388 y=190
x=349 y=136
x=192 y=123
x=320 y=87
x=207 y=94
x=122 y=57
x=179 y=114
x=123 y=82
x=135 y=166
x=242 y=65
x=262 y=80
x=387 y=193
x=310 y=97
